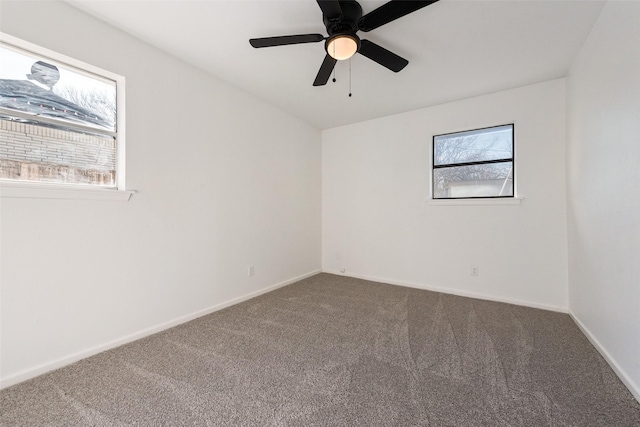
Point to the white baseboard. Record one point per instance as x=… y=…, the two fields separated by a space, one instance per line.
x=626 y=380
x=451 y=291
x=38 y=370
x=59 y=363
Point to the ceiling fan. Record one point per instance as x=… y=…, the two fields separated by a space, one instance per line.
x=342 y=19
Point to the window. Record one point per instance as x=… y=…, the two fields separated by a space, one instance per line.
x=60 y=119
x=474 y=164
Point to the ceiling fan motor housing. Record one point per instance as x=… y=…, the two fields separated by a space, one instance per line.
x=348 y=23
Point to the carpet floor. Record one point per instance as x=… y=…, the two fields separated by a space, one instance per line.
x=337 y=351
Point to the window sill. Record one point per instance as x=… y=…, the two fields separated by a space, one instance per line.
x=475 y=202
x=24 y=190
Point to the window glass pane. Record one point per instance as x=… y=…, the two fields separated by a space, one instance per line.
x=31 y=152
x=485 y=180
x=39 y=86
x=474 y=146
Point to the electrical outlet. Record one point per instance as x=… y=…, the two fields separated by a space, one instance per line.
x=475 y=270
x=250 y=271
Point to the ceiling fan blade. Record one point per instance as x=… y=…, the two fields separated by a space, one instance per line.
x=325 y=71
x=390 y=12
x=331 y=9
x=286 y=40
x=382 y=56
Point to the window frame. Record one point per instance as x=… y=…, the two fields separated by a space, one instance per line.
x=509 y=199
x=41 y=189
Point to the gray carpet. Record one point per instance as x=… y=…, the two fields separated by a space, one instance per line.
x=336 y=351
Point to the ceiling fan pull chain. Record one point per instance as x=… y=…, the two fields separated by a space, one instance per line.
x=334 y=68
x=349 y=77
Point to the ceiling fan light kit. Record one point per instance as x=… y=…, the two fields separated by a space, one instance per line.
x=342 y=19
x=342 y=46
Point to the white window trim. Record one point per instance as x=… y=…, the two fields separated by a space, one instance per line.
x=497 y=201
x=37 y=190
x=24 y=189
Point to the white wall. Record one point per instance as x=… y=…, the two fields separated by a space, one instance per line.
x=224 y=180
x=377 y=224
x=603 y=179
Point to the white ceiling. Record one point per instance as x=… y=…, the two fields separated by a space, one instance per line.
x=456 y=49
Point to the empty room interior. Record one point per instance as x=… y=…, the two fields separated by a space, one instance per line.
x=320 y=213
